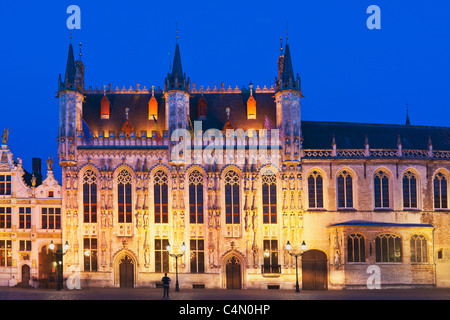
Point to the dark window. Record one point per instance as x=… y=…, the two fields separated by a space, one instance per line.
x=381 y=186
x=124 y=193
x=89 y=197
x=5 y=217
x=409 y=190
x=197 y=250
x=161 y=197
x=161 y=255
x=315 y=190
x=196 y=197
x=345 y=190
x=5 y=184
x=231 y=198
x=24 y=218
x=51 y=218
x=440 y=191
x=356 y=250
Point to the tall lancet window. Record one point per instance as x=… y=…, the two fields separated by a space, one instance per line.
x=440 y=191
x=231 y=198
x=161 y=197
x=196 y=197
x=315 y=190
x=89 y=197
x=345 y=190
x=124 y=192
x=409 y=190
x=269 y=197
x=381 y=186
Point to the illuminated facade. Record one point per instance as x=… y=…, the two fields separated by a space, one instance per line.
x=30 y=219
x=359 y=195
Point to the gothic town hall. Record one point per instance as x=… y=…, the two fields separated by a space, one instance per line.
x=360 y=197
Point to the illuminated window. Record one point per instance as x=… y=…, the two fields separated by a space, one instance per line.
x=90 y=254
x=269 y=197
x=161 y=197
x=270 y=257
x=5 y=253
x=196 y=197
x=418 y=245
x=124 y=196
x=231 y=198
x=388 y=248
x=89 y=197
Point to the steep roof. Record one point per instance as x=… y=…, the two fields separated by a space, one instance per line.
x=316 y=134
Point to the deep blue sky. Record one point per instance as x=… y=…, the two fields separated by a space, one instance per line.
x=348 y=72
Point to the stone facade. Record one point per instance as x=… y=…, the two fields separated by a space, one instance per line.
x=367 y=214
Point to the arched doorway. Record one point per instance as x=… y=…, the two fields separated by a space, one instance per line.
x=26 y=275
x=233 y=273
x=126 y=272
x=314 y=270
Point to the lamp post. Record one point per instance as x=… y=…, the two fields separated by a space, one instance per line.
x=176 y=256
x=59 y=260
x=296 y=255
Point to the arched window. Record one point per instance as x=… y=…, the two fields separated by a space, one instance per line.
x=196 y=197
x=124 y=196
x=381 y=187
x=356 y=249
x=388 y=248
x=89 y=197
x=440 y=191
x=269 y=197
x=345 y=189
x=161 y=197
x=409 y=190
x=315 y=190
x=231 y=198
x=418 y=245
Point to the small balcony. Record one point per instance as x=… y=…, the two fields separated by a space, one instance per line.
x=268 y=270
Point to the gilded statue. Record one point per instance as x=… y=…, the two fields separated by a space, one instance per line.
x=5 y=136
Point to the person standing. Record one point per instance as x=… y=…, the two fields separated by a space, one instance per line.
x=166 y=281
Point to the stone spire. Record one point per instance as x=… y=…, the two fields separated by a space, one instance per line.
x=69 y=78
x=176 y=80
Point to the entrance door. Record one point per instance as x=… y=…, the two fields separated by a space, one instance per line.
x=26 y=274
x=233 y=271
x=126 y=273
x=314 y=270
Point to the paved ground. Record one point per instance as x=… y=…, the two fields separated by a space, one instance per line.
x=7 y=293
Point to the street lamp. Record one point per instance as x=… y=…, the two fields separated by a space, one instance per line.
x=176 y=256
x=59 y=260
x=296 y=255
